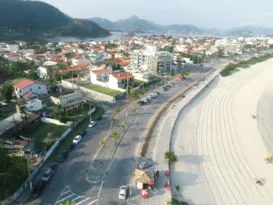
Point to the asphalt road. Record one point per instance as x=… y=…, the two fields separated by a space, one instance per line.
x=69 y=183
x=69 y=179
x=121 y=169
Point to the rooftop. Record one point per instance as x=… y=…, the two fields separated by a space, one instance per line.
x=122 y=75
x=25 y=83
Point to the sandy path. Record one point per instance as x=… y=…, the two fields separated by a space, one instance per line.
x=219 y=145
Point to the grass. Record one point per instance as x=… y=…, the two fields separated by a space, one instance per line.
x=41 y=132
x=4 y=115
x=102 y=89
x=67 y=141
x=138 y=82
x=76 y=115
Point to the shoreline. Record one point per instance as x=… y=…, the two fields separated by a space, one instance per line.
x=214 y=139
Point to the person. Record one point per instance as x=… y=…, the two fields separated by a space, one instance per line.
x=258 y=182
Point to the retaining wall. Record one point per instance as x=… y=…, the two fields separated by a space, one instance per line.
x=91 y=92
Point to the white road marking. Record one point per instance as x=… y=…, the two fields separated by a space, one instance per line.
x=77 y=198
x=65 y=198
x=65 y=192
x=82 y=201
x=92 y=202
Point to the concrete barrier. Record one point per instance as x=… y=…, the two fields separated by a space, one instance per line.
x=91 y=92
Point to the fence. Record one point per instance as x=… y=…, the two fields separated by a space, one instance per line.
x=47 y=155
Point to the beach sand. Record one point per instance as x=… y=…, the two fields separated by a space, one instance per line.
x=219 y=145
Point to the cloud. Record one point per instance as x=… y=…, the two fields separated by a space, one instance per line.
x=268 y=14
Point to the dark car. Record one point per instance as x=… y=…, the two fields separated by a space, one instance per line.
x=38 y=188
x=82 y=133
x=158 y=93
x=99 y=118
x=141 y=102
x=53 y=166
x=63 y=156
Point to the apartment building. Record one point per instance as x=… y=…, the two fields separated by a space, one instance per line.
x=70 y=101
x=152 y=61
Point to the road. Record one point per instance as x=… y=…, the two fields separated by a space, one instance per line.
x=69 y=179
x=121 y=169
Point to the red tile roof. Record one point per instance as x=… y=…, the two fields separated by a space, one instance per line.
x=122 y=75
x=25 y=83
x=101 y=71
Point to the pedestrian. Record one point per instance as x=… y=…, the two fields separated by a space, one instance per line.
x=157 y=174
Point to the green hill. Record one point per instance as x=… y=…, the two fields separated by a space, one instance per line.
x=30 y=18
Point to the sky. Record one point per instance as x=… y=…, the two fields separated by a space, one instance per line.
x=220 y=14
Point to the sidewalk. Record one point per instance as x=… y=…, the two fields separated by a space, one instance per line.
x=163 y=133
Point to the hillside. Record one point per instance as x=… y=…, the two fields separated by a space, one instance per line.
x=137 y=24
x=26 y=18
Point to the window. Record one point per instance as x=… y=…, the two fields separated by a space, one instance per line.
x=39 y=87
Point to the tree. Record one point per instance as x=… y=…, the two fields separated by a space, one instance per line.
x=7 y=92
x=168 y=48
x=171 y=157
x=123 y=125
x=32 y=75
x=118 y=109
x=115 y=135
x=68 y=55
x=102 y=143
x=133 y=94
x=172 y=73
x=220 y=51
x=66 y=203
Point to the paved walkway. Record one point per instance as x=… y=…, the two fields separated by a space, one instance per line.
x=163 y=132
x=100 y=163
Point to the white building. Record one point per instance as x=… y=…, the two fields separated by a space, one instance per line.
x=34 y=105
x=120 y=80
x=30 y=88
x=151 y=60
x=70 y=101
x=42 y=72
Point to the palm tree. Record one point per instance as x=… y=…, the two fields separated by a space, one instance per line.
x=122 y=126
x=115 y=135
x=118 y=110
x=66 y=203
x=171 y=157
x=102 y=142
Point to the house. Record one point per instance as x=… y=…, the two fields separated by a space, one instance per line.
x=30 y=88
x=101 y=75
x=70 y=101
x=119 y=80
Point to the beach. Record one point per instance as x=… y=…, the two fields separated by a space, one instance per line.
x=221 y=147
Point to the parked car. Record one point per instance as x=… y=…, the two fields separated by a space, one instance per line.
x=123 y=192
x=140 y=103
x=47 y=175
x=144 y=164
x=92 y=124
x=71 y=147
x=165 y=88
x=63 y=156
x=77 y=139
x=158 y=93
x=38 y=188
x=82 y=133
x=53 y=166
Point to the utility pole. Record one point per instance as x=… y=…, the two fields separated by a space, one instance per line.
x=127 y=91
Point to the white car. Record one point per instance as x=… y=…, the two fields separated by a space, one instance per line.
x=123 y=192
x=77 y=139
x=92 y=124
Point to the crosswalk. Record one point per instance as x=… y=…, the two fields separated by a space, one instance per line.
x=68 y=195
